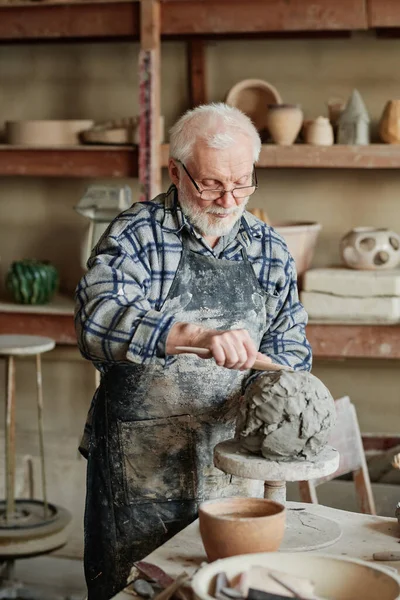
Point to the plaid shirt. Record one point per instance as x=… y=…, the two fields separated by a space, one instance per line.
x=119 y=302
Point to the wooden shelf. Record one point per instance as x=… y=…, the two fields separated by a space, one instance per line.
x=88 y=19
x=74 y=161
x=55 y=320
x=122 y=161
x=327 y=341
x=303 y=156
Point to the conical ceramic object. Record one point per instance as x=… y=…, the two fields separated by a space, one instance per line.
x=319 y=132
x=389 y=125
x=353 y=123
x=284 y=122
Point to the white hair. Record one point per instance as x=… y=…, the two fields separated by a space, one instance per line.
x=217 y=124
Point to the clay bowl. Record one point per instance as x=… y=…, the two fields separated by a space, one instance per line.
x=234 y=526
x=252 y=96
x=301 y=239
x=45 y=133
x=335 y=577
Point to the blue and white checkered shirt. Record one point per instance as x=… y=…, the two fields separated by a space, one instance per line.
x=119 y=316
x=130 y=272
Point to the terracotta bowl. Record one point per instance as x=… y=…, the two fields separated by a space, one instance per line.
x=301 y=239
x=252 y=96
x=233 y=526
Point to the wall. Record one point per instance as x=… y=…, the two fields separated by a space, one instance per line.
x=99 y=81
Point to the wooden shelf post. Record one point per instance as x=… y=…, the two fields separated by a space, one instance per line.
x=149 y=99
x=196 y=72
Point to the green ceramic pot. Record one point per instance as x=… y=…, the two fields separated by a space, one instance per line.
x=32 y=281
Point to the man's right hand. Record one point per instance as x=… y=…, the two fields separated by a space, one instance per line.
x=233 y=349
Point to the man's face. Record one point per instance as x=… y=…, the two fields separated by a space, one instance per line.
x=216 y=169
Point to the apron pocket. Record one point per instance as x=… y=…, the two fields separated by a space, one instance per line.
x=158 y=459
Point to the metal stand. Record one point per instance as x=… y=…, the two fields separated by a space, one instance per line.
x=303 y=530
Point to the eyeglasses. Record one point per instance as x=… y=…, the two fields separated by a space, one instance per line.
x=238 y=192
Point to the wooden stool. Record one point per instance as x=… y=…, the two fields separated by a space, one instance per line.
x=10 y=347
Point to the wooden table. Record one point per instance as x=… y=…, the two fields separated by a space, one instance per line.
x=362 y=536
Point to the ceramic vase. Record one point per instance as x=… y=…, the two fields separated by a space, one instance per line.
x=370 y=248
x=319 y=132
x=389 y=125
x=353 y=123
x=284 y=122
x=32 y=281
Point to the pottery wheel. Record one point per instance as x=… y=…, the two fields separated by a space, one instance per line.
x=304 y=531
x=30 y=532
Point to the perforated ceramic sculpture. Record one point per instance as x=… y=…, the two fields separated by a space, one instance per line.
x=370 y=248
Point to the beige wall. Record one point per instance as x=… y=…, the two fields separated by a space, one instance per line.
x=100 y=81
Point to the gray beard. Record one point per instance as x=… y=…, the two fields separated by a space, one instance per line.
x=200 y=218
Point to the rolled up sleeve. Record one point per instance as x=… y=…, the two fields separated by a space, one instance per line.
x=114 y=319
x=285 y=341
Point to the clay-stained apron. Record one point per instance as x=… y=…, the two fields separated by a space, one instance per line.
x=154 y=428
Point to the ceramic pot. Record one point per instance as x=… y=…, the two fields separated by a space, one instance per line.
x=32 y=282
x=389 y=124
x=284 y=122
x=370 y=248
x=319 y=132
x=233 y=526
x=335 y=108
x=45 y=133
x=301 y=239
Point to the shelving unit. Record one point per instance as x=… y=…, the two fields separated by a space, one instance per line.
x=328 y=341
x=149 y=21
x=122 y=161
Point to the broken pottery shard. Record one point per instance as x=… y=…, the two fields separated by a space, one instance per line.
x=286 y=416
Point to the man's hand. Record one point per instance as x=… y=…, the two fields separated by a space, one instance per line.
x=232 y=349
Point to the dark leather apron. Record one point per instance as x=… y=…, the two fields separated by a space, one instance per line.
x=154 y=428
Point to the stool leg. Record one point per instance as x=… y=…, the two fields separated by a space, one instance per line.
x=40 y=424
x=10 y=438
x=275 y=490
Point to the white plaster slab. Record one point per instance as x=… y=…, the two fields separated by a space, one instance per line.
x=328 y=307
x=353 y=283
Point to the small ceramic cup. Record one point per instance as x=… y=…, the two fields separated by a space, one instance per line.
x=319 y=132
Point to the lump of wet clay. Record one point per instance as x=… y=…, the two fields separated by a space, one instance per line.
x=286 y=416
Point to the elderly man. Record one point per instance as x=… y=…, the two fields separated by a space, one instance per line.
x=189 y=268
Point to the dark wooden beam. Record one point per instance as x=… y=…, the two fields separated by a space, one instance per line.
x=99 y=20
x=208 y=17
x=196 y=72
x=383 y=13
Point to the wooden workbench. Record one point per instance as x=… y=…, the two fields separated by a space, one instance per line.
x=362 y=536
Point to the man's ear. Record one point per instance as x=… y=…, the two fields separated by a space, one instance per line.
x=173 y=171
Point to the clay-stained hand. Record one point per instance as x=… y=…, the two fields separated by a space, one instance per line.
x=232 y=349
